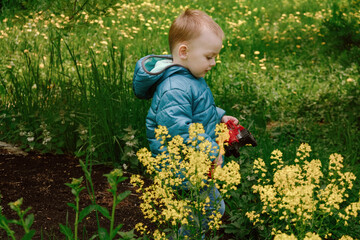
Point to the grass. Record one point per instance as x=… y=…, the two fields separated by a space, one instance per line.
x=288 y=70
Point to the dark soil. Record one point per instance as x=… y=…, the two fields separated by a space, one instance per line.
x=40 y=180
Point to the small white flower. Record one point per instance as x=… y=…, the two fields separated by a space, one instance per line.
x=46 y=140
x=130 y=144
x=130 y=154
x=125 y=166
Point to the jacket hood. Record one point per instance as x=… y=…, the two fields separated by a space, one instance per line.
x=150 y=71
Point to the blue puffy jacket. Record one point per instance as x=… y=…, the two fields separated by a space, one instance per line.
x=179 y=99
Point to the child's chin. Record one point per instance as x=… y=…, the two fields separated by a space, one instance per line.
x=201 y=75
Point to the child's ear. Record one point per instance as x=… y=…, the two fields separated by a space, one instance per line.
x=183 y=51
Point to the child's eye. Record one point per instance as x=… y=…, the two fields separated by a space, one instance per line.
x=209 y=58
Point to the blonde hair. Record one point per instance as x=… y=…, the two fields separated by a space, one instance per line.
x=188 y=26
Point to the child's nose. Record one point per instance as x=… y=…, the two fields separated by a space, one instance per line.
x=212 y=62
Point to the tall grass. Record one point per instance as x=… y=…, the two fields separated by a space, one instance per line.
x=68 y=68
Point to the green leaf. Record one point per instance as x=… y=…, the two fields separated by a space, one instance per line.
x=103 y=211
x=79 y=143
x=94 y=237
x=117 y=229
x=80 y=153
x=29 y=235
x=86 y=211
x=122 y=196
x=122 y=179
x=26 y=210
x=72 y=206
x=127 y=235
x=13 y=221
x=29 y=220
x=66 y=231
x=103 y=234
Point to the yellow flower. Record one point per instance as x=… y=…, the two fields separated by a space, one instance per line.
x=177 y=165
x=159 y=235
x=303 y=151
x=137 y=181
x=284 y=236
x=223 y=135
x=141 y=228
x=312 y=236
x=346 y=237
x=294 y=195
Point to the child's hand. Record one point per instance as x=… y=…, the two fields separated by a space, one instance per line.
x=226 y=118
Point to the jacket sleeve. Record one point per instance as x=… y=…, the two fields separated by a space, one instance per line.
x=220 y=112
x=175 y=112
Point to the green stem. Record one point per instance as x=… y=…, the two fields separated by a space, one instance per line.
x=7 y=229
x=113 y=214
x=77 y=199
x=89 y=183
x=23 y=224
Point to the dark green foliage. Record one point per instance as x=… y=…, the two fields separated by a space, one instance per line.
x=342 y=28
x=341 y=31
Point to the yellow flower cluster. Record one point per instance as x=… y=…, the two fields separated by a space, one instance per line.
x=254 y=217
x=136 y=181
x=308 y=236
x=284 y=236
x=229 y=175
x=141 y=228
x=334 y=193
x=312 y=236
x=276 y=156
x=294 y=197
x=159 y=235
x=303 y=152
x=183 y=166
x=162 y=133
x=346 y=237
x=223 y=134
x=260 y=167
x=215 y=221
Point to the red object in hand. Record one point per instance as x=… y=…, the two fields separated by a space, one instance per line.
x=233 y=131
x=239 y=137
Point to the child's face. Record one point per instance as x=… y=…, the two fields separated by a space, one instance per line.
x=202 y=52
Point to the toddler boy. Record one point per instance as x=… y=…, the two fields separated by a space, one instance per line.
x=180 y=95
